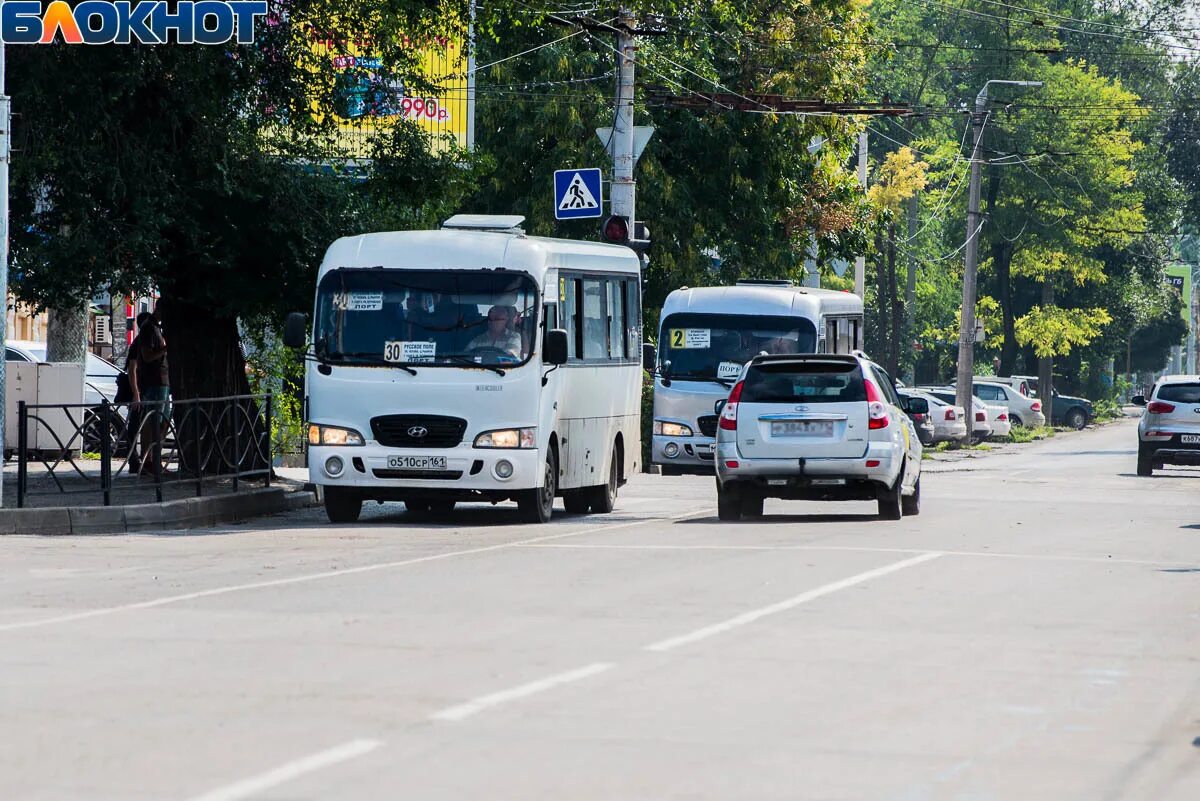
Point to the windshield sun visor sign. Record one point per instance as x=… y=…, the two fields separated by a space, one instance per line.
x=409 y=351
x=689 y=338
x=358 y=301
x=729 y=370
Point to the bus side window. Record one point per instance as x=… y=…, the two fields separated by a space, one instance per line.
x=595 y=322
x=831 y=337
x=572 y=316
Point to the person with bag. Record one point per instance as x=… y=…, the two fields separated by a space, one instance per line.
x=126 y=394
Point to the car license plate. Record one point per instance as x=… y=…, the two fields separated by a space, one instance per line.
x=777 y=482
x=828 y=482
x=1190 y=439
x=802 y=428
x=417 y=462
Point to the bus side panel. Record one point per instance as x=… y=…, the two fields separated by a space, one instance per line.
x=596 y=404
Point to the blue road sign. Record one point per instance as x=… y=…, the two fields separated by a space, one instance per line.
x=577 y=194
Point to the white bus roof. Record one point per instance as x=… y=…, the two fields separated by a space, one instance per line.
x=762 y=299
x=452 y=249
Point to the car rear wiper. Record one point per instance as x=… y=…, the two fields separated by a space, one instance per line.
x=467 y=362
x=368 y=358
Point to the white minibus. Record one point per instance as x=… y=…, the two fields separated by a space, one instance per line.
x=706 y=334
x=473 y=363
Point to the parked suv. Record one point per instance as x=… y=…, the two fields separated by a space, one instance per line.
x=817 y=427
x=1169 y=431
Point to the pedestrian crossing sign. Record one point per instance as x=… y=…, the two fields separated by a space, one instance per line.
x=577 y=194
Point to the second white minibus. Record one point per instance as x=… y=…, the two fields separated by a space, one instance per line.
x=706 y=334
x=473 y=363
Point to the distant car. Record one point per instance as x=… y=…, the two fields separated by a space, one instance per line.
x=998 y=420
x=949 y=421
x=1018 y=382
x=817 y=427
x=922 y=421
x=1169 y=431
x=981 y=419
x=1022 y=409
x=1066 y=410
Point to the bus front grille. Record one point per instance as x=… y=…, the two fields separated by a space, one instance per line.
x=418 y=430
x=707 y=425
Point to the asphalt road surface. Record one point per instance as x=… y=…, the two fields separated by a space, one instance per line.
x=1033 y=635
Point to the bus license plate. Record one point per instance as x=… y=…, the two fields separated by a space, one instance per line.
x=1190 y=439
x=417 y=462
x=802 y=428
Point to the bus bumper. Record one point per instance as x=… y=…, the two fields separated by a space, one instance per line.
x=688 y=454
x=482 y=473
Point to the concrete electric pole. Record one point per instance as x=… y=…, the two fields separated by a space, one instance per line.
x=860 y=262
x=624 y=189
x=966 y=331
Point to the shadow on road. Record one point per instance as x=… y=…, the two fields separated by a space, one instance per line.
x=768 y=519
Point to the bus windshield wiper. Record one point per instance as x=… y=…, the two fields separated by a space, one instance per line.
x=693 y=377
x=363 y=357
x=467 y=362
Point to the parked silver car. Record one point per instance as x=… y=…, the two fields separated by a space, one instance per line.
x=1022 y=409
x=949 y=421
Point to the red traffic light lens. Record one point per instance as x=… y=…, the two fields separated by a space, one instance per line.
x=615 y=229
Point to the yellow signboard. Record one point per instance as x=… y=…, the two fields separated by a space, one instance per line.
x=367 y=99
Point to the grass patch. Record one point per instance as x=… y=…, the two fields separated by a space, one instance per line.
x=1029 y=434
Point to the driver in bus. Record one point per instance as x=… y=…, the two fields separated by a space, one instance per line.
x=498 y=335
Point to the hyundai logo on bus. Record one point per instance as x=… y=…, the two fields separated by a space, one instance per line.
x=100 y=22
x=418 y=432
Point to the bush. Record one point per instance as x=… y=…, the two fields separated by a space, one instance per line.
x=647 y=419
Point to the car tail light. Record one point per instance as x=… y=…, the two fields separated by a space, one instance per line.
x=980 y=417
x=872 y=463
x=950 y=415
x=728 y=421
x=1036 y=406
x=920 y=418
x=1158 y=407
x=1003 y=417
x=876 y=410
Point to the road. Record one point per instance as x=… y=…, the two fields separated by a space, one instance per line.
x=1034 y=634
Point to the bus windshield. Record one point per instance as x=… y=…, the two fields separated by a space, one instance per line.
x=708 y=346
x=433 y=318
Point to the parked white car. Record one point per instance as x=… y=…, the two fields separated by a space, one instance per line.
x=817 y=427
x=998 y=419
x=1022 y=409
x=949 y=421
x=981 y=420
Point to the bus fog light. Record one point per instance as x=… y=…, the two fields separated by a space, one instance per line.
x=671 y=450
x=504 y=469
x=334 y=466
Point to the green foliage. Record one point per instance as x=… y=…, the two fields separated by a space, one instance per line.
x=1052 y=331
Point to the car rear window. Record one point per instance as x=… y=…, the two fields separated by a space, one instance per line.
x=1180 y=393
x=804 y=382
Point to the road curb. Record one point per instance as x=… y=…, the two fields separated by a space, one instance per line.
x=153 y=517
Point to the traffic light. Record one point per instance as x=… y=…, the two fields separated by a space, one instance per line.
x=616 y=229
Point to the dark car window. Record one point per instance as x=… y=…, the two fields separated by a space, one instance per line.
x=11 y=355
x=1180 y=393
x=804 y=382
x=886 y=386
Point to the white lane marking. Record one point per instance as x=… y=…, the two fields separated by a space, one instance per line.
x=464 y=711
x=861 y=549
x=291 y=770
x=328 y=574
x=783 y=606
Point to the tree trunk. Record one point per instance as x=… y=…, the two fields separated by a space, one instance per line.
x=1046 y=366
x=1002 y=257
x=881 y=315
x=67 y=335
x=205 y=360
x=895 y=307
x=910 y=293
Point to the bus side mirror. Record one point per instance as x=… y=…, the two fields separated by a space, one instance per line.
x=295 y=330
x=719 y=405
x=649 y=356
x=1138 y=400
x=554 y=348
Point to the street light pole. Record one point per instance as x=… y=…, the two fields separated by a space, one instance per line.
x=966 y=331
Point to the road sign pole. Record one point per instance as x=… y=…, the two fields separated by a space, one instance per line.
x=623 y=190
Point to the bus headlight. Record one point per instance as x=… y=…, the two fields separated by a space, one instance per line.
x=508 y=438
x=333 y=435
x=665 y=429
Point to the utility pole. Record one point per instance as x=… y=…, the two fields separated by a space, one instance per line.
x=910 y=289
x=860 y=262
x=5 y=147
x=966 y=330
x=624 y=188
